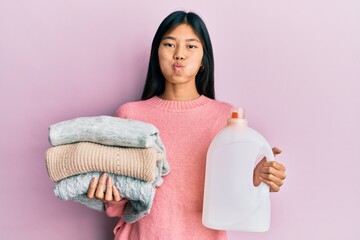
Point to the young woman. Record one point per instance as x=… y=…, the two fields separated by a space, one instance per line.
x=178 y=99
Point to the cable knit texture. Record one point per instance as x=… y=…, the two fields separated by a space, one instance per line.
x=139 y=193
x=71 y=159
x=186 y=128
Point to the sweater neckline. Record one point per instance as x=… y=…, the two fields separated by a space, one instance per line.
x=179 y=105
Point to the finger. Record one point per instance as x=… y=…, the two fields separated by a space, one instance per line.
x=257 y=172
x=271 y=178
x=273 y=187
x=270 y=172
x=276 y=165
x=109 y=192
x=116 y=194
x=100 y=187
x=276 y=151
x=274 y=172
x=92 y=188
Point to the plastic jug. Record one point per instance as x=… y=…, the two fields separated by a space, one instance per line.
x=231 y=201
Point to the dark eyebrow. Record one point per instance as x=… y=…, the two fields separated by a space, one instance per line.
x=187 y=40
x=168 y=37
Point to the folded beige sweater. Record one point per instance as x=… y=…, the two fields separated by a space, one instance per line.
x=71 y=159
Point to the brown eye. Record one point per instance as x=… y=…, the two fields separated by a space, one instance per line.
x=168 y=45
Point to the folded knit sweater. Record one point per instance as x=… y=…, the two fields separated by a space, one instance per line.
x=110 y=131
x=71 y=159
x=107 y=130
x=139 y=193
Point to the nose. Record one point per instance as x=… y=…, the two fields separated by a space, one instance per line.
x=179 y=54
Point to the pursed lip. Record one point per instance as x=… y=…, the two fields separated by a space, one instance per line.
x=178 y=65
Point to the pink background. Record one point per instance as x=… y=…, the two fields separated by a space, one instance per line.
x=294 y=65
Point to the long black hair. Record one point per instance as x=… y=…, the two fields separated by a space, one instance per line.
x=204 y=80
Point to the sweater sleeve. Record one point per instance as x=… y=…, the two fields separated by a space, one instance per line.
x=123 y=111
x=115 y=209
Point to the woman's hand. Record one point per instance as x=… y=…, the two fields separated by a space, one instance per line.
x=97 y=187
x=271 y=173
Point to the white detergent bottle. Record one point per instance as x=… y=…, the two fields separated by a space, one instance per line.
x=231 y=201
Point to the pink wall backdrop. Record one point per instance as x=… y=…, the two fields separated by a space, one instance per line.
x=294 y=66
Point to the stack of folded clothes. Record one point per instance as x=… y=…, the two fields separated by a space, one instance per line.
x=129 y=151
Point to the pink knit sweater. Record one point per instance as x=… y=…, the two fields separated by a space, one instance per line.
x=186 y=129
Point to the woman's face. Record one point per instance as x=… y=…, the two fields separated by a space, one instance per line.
x=180 y=54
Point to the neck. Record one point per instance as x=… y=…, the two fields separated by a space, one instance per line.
x=176 y=92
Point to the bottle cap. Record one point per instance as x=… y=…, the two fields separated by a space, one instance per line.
x=237 y=117
x=237 y=113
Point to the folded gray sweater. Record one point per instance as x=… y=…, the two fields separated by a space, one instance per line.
x=107 y=130
x=139 y=193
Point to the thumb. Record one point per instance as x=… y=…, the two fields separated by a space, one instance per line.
x=276 y=151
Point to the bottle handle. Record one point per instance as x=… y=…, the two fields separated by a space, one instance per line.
x=263 y=189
